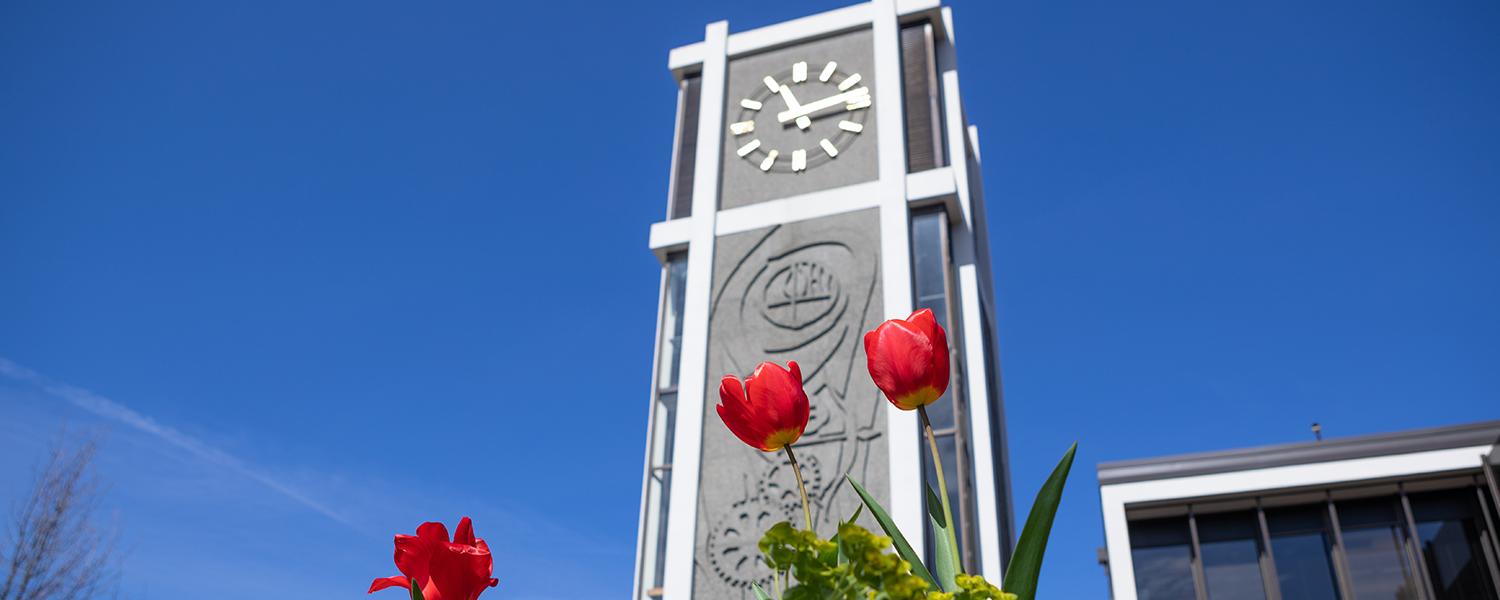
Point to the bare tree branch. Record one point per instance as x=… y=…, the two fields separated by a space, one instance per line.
x=55 y=549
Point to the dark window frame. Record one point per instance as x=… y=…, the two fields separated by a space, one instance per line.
x=1404 y=521
x=664 y=418
x=963 y=498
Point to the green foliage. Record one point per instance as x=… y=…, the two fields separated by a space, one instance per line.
x=974 y=587
x=416 y=592
x=903 y=548
x=1026 y=563
x=867 y=572
x=944 y=561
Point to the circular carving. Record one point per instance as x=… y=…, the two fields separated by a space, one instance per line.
x=734 y=542
x=779 y=486
x=803 y=292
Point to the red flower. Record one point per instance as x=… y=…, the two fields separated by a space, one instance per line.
x=457 y=570
x=909 y=359
x=769 y=410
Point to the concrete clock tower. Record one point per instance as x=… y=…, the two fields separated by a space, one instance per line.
x=824 y=178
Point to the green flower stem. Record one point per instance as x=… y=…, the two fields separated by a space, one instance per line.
x=937 y=463
x=796 y=470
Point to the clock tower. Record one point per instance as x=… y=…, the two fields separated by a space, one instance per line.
x=824 y=179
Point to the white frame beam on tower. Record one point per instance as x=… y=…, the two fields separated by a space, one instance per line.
x=682 y=523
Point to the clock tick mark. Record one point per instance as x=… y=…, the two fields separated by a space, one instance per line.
x=742 y=127
x=799 y=72
x=750 y=104
x=765 y=165
x=748 y=148
x=771 y=83
x=832 y=150
x=851 y=126
x=799 y=160
x=828 y=71
x=848 y=82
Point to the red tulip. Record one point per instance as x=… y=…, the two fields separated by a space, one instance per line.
x=456 y=570
x=909 y=359
x=769 y=410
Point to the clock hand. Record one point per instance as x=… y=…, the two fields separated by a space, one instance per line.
x=812 y=107
x=792 y=104
x=788 y=98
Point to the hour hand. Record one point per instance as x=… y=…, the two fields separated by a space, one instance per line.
x=792 y=105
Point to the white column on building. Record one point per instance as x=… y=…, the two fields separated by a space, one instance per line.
x=682 y=520
x=895 y=245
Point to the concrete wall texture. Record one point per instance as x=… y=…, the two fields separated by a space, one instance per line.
x=804 y=291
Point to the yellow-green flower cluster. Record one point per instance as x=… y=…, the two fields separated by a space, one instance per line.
x=853 y=565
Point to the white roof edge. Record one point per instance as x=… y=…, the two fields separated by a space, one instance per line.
x=1336 y=472
x=824 y=23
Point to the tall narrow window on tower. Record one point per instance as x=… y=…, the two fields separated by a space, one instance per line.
x=932 y=282
x=685 y=147
x=924 y=130
x=663 y=426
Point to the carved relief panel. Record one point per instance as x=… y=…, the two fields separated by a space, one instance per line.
x=807 y=292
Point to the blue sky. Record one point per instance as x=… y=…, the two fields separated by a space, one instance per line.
x=321 y=271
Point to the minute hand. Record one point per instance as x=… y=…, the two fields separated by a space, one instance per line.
x=815 y=106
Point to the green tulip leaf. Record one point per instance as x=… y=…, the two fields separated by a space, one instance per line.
x=416 y=592
x=903 y=549
x=760 y=594
x=1026 y=563
x=943 y=561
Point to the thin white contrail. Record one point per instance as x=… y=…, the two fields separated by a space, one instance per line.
x=109 y=409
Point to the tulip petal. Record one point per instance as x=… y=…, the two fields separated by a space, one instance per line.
x=898 y=356
x=732 y=391
x=924 y=321
x=461 y=572
x=444 y=570
x=399 y=581
x=769 y=409
x=433 y=531
x=413 y=554
x=464 y=534
x=908 y=359
x=731 y=407
x=741 y=426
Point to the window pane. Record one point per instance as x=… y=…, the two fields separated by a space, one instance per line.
x=1163 y=555
x=664 y=430
x=1378 y=570
x=1231 y=556
x=671 y=321
x=1449 y=534
x=1303 y=551
x=927 y=252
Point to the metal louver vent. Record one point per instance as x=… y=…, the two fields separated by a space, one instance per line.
x=924 y=138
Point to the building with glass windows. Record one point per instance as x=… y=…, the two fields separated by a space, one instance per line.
x=1400 y=516
x=824 y=178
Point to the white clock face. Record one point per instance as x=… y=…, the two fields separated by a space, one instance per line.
x=801 y=118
